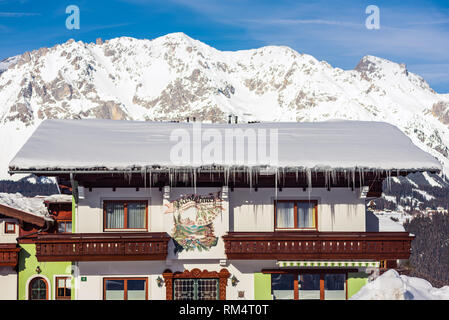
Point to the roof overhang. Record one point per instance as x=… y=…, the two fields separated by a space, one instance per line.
x=22 y=215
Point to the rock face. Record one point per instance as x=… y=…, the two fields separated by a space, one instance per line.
x=174 y=77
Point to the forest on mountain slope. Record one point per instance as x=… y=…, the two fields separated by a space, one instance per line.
x=430 y=249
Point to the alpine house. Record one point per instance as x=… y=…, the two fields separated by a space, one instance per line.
x=221 y=211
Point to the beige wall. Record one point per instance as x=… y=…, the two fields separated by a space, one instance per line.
x=339 y=209
x=8 y=237
x=8 y=283
x=92 y=288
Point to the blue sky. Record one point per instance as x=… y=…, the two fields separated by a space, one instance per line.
x=411 y=32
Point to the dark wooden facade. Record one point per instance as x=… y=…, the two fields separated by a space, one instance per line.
x=239 y=179
x=9 y=254
x=318 y=245
x=102 y=246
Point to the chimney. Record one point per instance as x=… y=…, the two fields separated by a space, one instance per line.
x=99 y=41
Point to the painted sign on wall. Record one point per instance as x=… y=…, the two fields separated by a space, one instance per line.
x=193 y=217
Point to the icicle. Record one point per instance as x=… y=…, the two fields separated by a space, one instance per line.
x=309 y=178
x=276 y=183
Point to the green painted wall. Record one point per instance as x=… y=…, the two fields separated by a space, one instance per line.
x=27 y=269
x=355 y=282
x=262 y=286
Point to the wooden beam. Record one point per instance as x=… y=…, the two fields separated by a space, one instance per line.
x=22 y=215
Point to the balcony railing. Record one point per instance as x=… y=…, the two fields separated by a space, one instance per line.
x=102 y=246
x=318 y=245
x=9 y=254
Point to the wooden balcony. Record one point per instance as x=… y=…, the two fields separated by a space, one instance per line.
x=102 y=246
x=318 y=245
x=9 y=254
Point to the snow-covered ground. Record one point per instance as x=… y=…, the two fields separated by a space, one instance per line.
x=392 y=286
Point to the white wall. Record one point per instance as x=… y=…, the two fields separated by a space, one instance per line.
x=339 y=209
x=92 y=289
x=8 y=237
x=8 y=284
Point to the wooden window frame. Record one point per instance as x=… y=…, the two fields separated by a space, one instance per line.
x=125 y=288
x=7 y=223
x=321 y=272
x=196 y=273
x=63 y=220
x=125 y=221
x=46 y=286
x=57 y=297
x=295 y=217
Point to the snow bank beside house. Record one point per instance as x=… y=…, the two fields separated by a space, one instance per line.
x=392 y=286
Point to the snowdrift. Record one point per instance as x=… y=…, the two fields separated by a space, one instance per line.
x=392 y=286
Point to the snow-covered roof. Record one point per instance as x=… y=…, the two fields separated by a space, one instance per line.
x=31 y=206
x=121 y=145
x=58 y=198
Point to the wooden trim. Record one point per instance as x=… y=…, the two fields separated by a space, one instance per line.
x=321 y=286
x=125 y=246
x=57 y=297
x=6 y=227
x=125 y=279
x=46 y=286
x=295 y=215
x=314 y=245
x=125 y=220
x=223 y=276
x=22 y=215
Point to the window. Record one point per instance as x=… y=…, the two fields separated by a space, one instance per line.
x=10 y=227
x=282 y=286
x=335 y=286
x=309 y=285
x=64 y=226
x=125 y=214
x=125 y=289
x=63 y=288
x=296 y=214
x=195 y=289
x=38 y=289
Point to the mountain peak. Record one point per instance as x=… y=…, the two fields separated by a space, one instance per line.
x=173 y=77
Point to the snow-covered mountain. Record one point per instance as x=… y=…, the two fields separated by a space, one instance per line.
x=174 y=77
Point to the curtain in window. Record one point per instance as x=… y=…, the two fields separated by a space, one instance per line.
x=115 y=215
x=136 y=215
x=285 y=215
x=306 y=215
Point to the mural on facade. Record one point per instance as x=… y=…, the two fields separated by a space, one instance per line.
x=193 y=217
